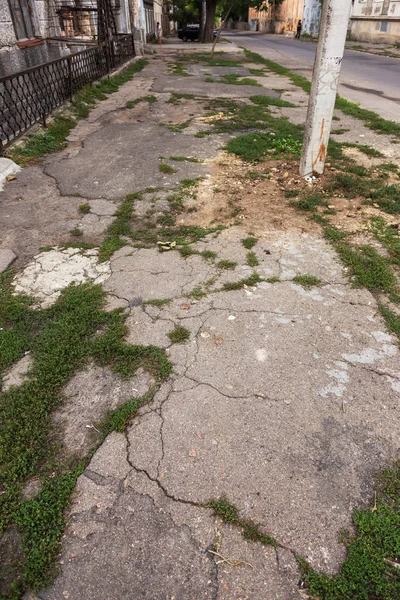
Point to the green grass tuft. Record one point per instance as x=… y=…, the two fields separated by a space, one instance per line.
x=268 y=101
x=249 y=242
x=226 y=264
x=252 y=259
x=167 y=169
x=230 y=515
x=238 y=285
x=179 y=335
x=307 y=281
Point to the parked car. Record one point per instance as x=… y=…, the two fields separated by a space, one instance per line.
x=191 y=33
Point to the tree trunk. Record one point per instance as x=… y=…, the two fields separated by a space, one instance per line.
x=207 y=34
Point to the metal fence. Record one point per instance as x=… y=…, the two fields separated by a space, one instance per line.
x=29 y=96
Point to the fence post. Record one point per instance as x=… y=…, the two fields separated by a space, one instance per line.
x=70 y=82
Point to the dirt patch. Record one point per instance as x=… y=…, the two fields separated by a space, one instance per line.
x=249 y=195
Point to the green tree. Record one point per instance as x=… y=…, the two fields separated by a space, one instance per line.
x=238 y=7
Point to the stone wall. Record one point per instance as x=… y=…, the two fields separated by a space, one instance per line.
x=7 y=33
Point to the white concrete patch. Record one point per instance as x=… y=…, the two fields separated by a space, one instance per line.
x=370 y=355
x=336 y=389
x=261 y=355
x=394 y=383
x=382 y=336
x=7 y=167
x=50 y=272
x=313 y=294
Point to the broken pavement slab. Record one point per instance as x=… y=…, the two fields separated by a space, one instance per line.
x=7 y=257
x=283 y=398
x=52 y=271
x=8 y=169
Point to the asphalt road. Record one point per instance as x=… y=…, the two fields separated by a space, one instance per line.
x=371 y=80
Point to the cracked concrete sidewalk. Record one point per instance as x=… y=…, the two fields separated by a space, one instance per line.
x=284 y=399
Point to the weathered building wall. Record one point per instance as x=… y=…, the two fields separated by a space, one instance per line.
x=311 y=17
x=376 y=21
x=282 y=19
x=7 y=33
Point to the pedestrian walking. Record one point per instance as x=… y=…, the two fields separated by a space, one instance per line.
x=158 y=32
x=298 y=32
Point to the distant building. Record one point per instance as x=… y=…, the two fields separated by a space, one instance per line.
x=375 y=21
x=277 y=20
x=311 y=17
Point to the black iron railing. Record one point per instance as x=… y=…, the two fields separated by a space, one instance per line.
x=27 y=97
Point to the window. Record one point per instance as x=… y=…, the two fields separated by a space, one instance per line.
x=21 y=14
x=384 y=26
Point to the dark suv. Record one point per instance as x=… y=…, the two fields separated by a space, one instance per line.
x=191 y=33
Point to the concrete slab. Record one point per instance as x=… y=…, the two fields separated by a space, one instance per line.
x=50 y=272
x=7 y=257
x=88 y=396
x=132 y=151
x=7 y=168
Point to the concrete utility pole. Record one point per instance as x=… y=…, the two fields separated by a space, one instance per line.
x=328 y=59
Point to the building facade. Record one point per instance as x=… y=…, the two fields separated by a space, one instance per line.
x=277 y=20
x=23 y=22
x=376 y=21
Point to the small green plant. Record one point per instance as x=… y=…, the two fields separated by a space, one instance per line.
x=230 y=515
x=76 y=232
x=84 y=208
x=307 y=281
x=179 y=335
x=227 y=264
x=197 y=293
x=268 y=101
x=158 y=302
x=208 y=255
x=233 y=79
x=186 y=159
x=249 y=242
x=167 y=169
x=149 y=99
x=250 y=281
x=252 y=259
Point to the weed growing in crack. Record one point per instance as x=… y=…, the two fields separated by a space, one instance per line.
x=248 y=281
x=167 y=169
x=197 y=293
x=249 y=242
x=392 y=321
x=176 y=96
x=185 y=159
x=158 y=302
x=230 y=515
x=60 y=339
x=307 y=281
x=268 y=101
x=233 y=79
x=252 y=259
x=84 y=208
x=226 y=264
x=179 y=335
x=76 y=232
x=387 y=236
x=370 y=568
x=149 y=99
x=208 y=255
